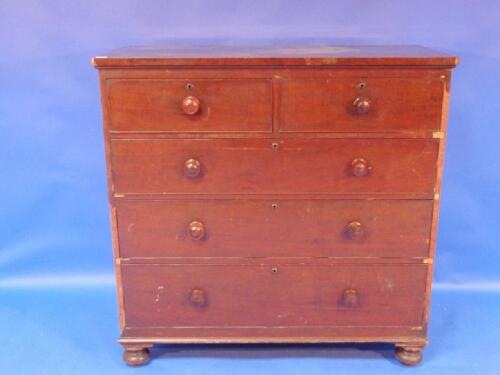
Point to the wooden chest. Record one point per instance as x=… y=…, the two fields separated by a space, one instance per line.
x=274 y=195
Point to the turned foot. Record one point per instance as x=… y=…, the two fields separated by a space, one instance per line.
x=409 y=355
x=136 y=356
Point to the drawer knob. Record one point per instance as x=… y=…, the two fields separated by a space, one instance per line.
x=360 y=167
x=354 y=230
x=361 y=105
x=196 y=230
x=198 y=298
x=190 y=105
x=350 y=298
x=192 y=168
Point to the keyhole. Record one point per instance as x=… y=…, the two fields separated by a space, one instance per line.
x=275 y=145
x=361 y=85
x=274 y=270
x=274 y=206
x=190 y=87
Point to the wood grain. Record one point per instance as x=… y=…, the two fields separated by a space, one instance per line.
x=275 y=228
x=242 y=296
x=156 y=105
x=327 y=105
x=307 y=55
x=254 y=166
x=274 y=194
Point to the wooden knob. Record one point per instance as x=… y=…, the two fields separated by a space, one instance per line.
x=190 y=105
x=360 y=167
x=354 y=230
x=198 y=298
x=192 y=168
x=196 y=230
x=361 y=105
x=350 y=298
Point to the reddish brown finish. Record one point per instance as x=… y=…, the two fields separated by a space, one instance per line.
x=354 y=230
x=192 y=168
x=196 y=230
x=274 y=194
x=255 y=166
x=198 y=298
x=321 y=55
x=294 y=228
x=350 y=298
x=163 y=295
x=136 y=356
x=359 y=167
x=190 y=105
x=301 y=334
x=162 y=105
x=409 y=355
x=360 y=105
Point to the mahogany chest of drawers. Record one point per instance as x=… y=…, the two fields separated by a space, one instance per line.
x=274 y=195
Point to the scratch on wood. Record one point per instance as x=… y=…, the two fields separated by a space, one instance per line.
x=159 y=290
x=437 y=135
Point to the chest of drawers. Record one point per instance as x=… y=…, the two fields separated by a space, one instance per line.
x=274 y=195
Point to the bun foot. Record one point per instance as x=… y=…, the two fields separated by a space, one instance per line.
x=136 y=357
x=409 y=355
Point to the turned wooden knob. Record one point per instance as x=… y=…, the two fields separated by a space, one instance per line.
x=192 y=168
x=350 y=298
x=136 y=356
x=409 y=355
x=361 y=105
x=190 y=105
x=198 y=298
x=354 y=230
x=360 y=167
x=196 y=230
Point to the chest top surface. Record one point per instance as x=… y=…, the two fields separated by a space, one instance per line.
x=319 y=55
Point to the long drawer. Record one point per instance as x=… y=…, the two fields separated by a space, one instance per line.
x=240 y=166
x=273 y=295
x=274 y=228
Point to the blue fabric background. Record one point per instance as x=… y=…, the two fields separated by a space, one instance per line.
x=54 y=230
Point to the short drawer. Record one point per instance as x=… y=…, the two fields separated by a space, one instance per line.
x=190 y=105
x=274 y=228
x=174 y=166
x=360 y=105
x=273 y=295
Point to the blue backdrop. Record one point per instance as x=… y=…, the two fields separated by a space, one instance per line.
x=54 y=228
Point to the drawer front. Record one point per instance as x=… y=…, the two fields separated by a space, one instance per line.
x=273 y=295
x=263 y=166
x=279 y=228
x=197 y=105
x=360 y=105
